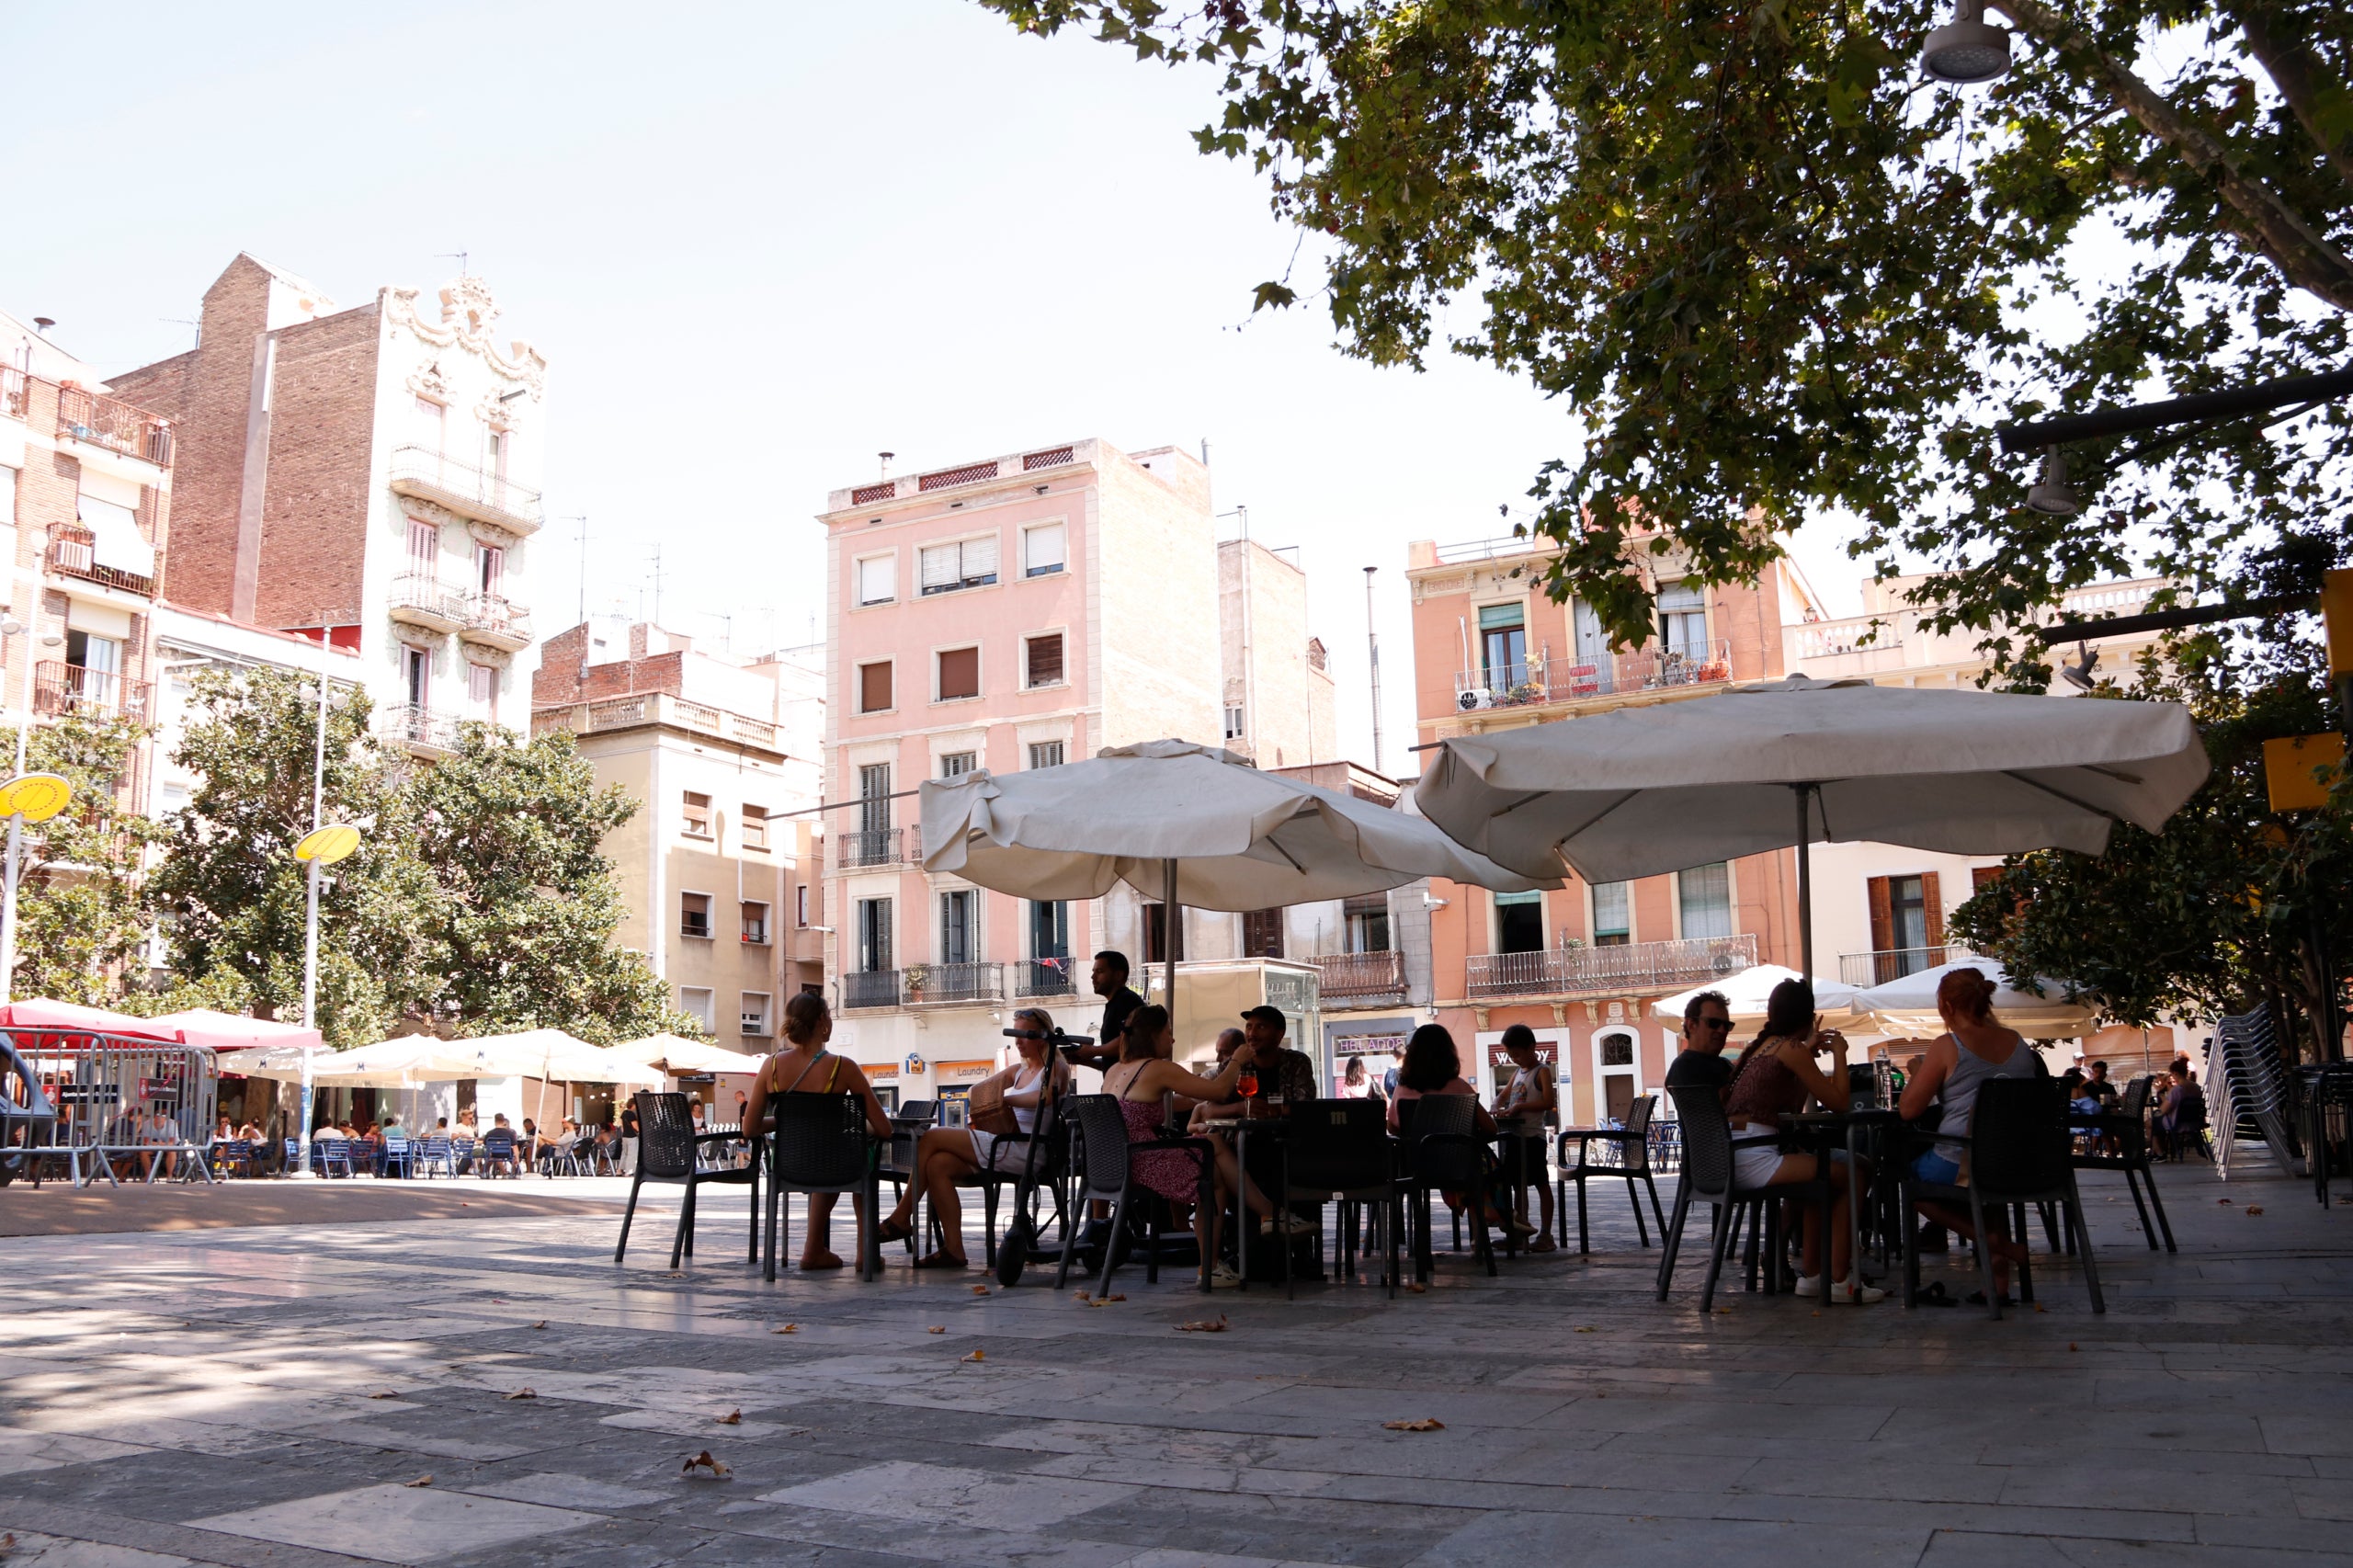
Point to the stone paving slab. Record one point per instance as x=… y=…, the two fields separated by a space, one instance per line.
x=264 y=1393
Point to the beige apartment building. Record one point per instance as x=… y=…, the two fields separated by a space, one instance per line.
x=720 y=866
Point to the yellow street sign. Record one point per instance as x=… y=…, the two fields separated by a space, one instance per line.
x=2336 y=619
x=35 y=797
x=328 y=845
x=2291 y=769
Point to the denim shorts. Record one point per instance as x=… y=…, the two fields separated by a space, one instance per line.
x=1936 y=1167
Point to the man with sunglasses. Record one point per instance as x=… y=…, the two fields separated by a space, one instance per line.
x=1706 y=1030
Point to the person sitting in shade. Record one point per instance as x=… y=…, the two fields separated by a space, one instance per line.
x=808 y=1068
x=1432 y=1066
x=1973 y=1049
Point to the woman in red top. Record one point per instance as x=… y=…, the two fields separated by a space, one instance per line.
x=1776 y=1078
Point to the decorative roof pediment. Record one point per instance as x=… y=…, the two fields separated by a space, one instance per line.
x=468 y=312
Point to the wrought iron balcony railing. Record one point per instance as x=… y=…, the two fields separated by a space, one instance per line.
x=73 y=553
x=1879 y=967
x=1630 y=966
x=871 y=988
x=873 y=847
x=1349 y=977
x=427 y=475
x=113 y=424
x=75 y=688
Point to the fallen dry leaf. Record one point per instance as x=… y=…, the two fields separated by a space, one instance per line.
x=2072 y=1346
x=1586 y=1328
x=732 y=1418
x=1417 y=1287
x=385 y=1393
x=977 y=1355
x=787 y=1328
x=1426 y=1424
x=2041 y=1308
x=942 y=1328
x=542 y=1324
x=705 y=1461
x=2224 y=1202
x=522 y=1393
x=2253 y=1209
x=1204 y=1325
x=420 y=1480
x=980 y=1290
x=1726 y=1311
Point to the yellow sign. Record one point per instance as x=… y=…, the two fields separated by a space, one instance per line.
x=328 y=845
x=2291 y=766
x=35 y=797
x=2336 y=619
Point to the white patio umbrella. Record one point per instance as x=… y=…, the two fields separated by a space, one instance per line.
x=1189 y=823
x=553 y=1056
x=680 y=1054
x=1907 y=1005
x=396 y=1064
x=1750 y=989
x=234 y=1031
x=1636 y=791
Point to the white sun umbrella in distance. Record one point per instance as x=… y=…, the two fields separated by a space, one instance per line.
x=1750 y=989
x=1907 y=1005
x=552 y=1055
x=394 y=1063
x=683 y=1055
x=1637 y=791
x=1187 y=823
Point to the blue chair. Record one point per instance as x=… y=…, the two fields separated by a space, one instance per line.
x=462 y=1155
x=293 y=1160
x=432 y=1153
x=328 y=1153
x=397 y=1156
x=497 y=1151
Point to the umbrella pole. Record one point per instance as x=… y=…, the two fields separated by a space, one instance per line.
x=1171 y=924
x=1805 y=889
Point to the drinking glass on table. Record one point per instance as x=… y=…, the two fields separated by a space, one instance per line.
x=1247 y=1086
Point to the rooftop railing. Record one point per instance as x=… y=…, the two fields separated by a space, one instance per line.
x=1624 y=969
x=1562 y=679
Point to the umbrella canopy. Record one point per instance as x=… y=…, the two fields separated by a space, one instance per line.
x=680 y=1054
x=1239 y=838
x=70 y=1017
x=1750 y=989
x=233 y=1031
x=388 y=1065
x=1907 y=1006
x=554 y=1056
x=1636 y=791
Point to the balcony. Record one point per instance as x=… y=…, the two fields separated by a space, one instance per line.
x=1609 y=972
x=12 y=393
x=948 y=985
x=421 y=600
x=872 y=847
x=110 y=423
x=60 y=689
x=424 y=474
x=1044 y=977
x=419 y=729
x=493 y=621
x=1350 y=978
x=871 y=988
x=1560 y=679
x=1879 y=967
x=72 y=552
x=654 y=708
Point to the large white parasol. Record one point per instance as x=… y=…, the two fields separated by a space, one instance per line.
x=1907 y=1005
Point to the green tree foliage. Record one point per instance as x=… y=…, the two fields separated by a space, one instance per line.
x=479 y=899
x=2229 y=907
x=1777 y=273
x=529 y=903
x=82 y=923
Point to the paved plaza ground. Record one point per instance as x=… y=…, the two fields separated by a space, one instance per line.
x=273 y=1394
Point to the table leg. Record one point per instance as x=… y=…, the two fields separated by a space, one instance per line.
x=1241 y=1203
x=1854 y=1214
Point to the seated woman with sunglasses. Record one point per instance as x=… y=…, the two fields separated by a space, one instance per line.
x=946 y=1155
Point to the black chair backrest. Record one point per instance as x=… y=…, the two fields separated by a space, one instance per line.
x=926 y=1111
x=1103 y=1139
x=665 y=1136
x=2132 y=1105
x=1449 y=1164
x=1637 y=1148
x=1337 y=1146
x=2018 y=1140
x=1706 y=1140
x=821 y=1139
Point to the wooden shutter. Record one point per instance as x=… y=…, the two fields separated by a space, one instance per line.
x=1046 y=660
x=1980 y=875
x=960 y=673
x=1882 y=930
x=874 y=687
x=1262 y=934
x=1932 y=907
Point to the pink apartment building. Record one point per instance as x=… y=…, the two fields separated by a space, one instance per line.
x=1016 y=612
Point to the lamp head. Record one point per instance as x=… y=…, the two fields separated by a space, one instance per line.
x=2054 y=497
x=2079 y=675
x=1968 y=49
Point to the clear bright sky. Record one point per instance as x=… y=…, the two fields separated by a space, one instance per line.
x=757 y=245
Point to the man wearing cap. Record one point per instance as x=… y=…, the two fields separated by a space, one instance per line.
x=1289 y=1074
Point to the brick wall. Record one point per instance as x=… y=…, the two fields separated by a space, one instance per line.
x=314 y=511
x=559 y=682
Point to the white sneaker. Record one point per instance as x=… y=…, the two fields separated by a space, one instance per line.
x=1808 y=1285
x=1852 y=1291
x=1222 y=1278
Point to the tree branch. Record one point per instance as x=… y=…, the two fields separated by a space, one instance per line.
x=2265 y=221
x=2291 y=67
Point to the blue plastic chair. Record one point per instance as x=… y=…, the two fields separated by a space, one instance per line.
x=330 y=1152
x=497 y=1151
x=435 y=1152
x=398 y=1156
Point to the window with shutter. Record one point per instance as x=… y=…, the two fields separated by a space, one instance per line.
x=939 y=569
x=874 y=687
x=1155 y=935
x=1042 y=550
x=1046 y=660
x=1262 y=934
x=1045 y=754
x=877 y=580
x=969 y=564
x=979 y=561
x=956 y=764
x=1882 y=925
x=1705 y=894
x=1612 y=921
x=960 y=674
x=1520 y=922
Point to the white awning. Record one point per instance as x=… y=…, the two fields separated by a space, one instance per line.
x=116 y=528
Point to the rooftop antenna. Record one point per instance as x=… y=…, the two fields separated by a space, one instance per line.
x=457 y=256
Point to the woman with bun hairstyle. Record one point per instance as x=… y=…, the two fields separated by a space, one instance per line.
x=1973 y=1049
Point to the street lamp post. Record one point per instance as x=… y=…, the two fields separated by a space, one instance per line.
x=39 y=803
x=321 y=848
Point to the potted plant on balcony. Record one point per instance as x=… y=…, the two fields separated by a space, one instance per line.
x=915 y=975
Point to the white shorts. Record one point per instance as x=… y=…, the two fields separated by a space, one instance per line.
x=992 y=1152
x=1754 y=1165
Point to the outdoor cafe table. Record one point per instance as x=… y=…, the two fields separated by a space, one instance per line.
x=1244 y=1127
x=1821 y=1129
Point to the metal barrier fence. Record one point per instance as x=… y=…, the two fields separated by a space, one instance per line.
x=102 y=1104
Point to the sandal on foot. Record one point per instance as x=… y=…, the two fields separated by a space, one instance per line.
x=942 y=1260
x=820 y=1263
x=893 y=1230
x=1977 y=1299
x=1933 y=1294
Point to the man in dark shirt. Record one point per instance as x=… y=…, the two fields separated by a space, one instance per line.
x=1290 y=1074
x=1706 y=1030
x=2096 y=1084
x=1110 y=978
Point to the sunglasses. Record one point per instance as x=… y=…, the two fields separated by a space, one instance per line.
x=1723 y=1024
x=1026 y=1034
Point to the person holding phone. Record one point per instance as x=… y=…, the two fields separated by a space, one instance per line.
x=1110 y=978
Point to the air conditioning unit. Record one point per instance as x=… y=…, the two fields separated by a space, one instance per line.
x=1472 y=700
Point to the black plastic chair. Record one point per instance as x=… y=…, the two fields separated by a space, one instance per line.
x=665 y=1153
x=2128 y=1124
x=820 y=1144
x=1710 y=1176
x=1443 y=1152
x=1339 y=1151
x=2017 y=1151
x=1108 y=1175
x=1633 y=1142
x=1044 y=1178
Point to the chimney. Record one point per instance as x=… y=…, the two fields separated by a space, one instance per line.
x=886 y=458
